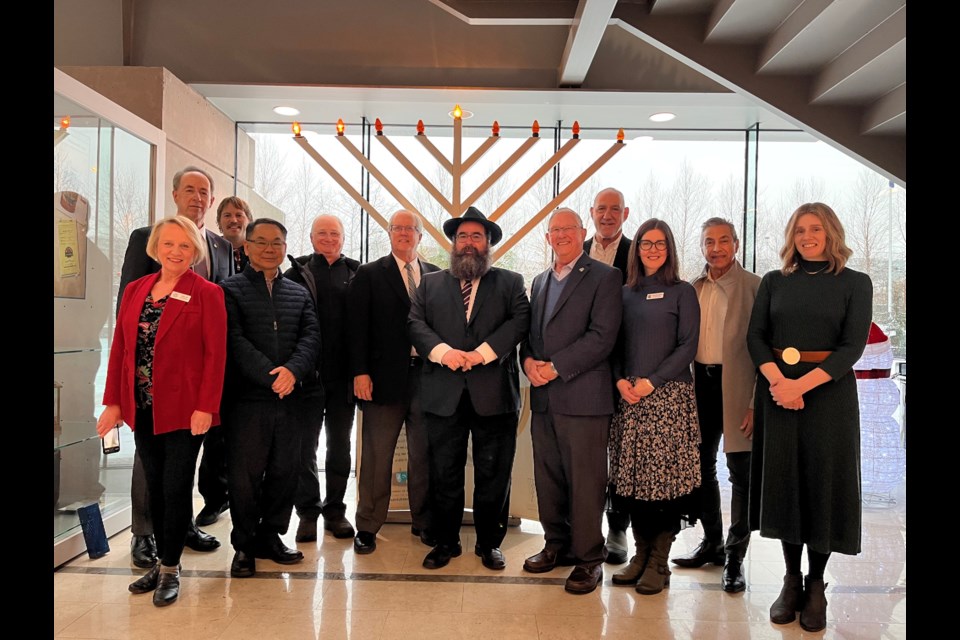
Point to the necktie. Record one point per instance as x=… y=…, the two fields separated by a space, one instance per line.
x=465 y=291
x=411 y=283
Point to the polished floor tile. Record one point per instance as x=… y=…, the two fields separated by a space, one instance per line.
x=335 y=594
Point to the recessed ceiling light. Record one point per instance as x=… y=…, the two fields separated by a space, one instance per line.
x=663 y=116
x=286 y=111
x=643 y=139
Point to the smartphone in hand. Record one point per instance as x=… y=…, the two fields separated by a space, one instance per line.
x=111 y=441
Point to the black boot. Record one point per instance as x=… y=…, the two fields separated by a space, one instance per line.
x=784 y=608
x=813 y=617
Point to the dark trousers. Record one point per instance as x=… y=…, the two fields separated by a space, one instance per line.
x=570 y=471
x=494 y=446
x=263 y=449
x=168 y=461
x=337 y=418
x=381 y=430
x=709 y=392
x=141 y=524
x=212 y=475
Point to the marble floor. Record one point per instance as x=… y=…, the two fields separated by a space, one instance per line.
x=388 y=594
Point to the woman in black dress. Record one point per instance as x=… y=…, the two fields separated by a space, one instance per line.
x=809 y=326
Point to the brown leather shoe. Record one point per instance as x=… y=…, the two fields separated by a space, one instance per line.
x=584 y=579
x=813 y=617
x=546 y=560
x=784 y=608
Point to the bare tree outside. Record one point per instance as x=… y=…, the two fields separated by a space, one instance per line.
x=685 y=209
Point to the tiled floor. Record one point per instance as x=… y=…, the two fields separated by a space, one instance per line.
x=389 y=595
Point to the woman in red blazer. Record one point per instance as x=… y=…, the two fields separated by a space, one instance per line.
x=164 y=379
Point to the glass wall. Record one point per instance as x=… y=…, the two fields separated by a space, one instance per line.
x=102 y=181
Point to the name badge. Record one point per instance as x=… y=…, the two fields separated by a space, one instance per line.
x=655 y=296
x=182 y=297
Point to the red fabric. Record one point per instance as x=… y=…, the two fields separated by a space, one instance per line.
x=190 y=353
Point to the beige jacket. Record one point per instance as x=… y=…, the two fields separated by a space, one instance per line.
x=739 y=374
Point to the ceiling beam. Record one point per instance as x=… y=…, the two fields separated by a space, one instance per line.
x=809 y=12
x=589 y=24
x=886 y=111
x=889 y=36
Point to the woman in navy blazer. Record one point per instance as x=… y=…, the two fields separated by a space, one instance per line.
x=164 y=379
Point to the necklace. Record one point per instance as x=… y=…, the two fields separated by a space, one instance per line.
x=813 y=273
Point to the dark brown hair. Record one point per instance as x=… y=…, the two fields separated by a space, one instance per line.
x=667 y=274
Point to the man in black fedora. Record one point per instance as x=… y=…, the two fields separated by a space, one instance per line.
x=467 y=322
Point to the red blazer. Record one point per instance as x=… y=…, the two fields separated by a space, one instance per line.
x=190 y=353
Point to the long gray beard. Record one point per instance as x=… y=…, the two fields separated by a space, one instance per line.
x=469 y=266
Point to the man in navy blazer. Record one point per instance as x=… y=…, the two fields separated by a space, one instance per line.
x=386 y=381
x=193 y=195
x=610 y=246
x=576 y=309
x=467 y=321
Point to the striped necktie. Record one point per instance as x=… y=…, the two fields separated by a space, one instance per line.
x=411 y=282
x=465 y=291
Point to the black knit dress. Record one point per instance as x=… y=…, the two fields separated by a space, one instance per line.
x=805 y=470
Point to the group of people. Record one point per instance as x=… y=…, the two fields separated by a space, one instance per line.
x=635 y=375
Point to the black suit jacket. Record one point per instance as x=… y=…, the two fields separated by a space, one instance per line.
x=136 y=262
x=578 y=338
x=620 y=260
x=500 y=317
x=378 y=305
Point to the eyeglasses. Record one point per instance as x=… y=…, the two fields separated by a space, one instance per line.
x=558 y=230
x=403 y=228
x=263 y=244
x=476 y=236
x=646 y=245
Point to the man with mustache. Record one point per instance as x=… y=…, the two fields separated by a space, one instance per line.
x=467 y=321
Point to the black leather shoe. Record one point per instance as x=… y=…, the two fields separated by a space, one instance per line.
x=143 y=551
x=147 y=582
x=243 y=566
x=441 y=554
x=168 y=589
x=784 y=608
x=813 y=617
x=208 y=515
x=365 y=542
x=584 y=579
x=424 y=535
x=307 y=530
x=491 y=558
x=274 y=549
x=200 y=541
x=732 y=580
x=546 y=560
x=339 y=526
x=706 y=552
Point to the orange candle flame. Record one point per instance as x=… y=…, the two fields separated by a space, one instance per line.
x=65 y=123
x=340 y=127
x=457 y=112
x=536 y=128
x=576 y=128
x=620 y=136
x=378 y=126
x=419 y=127
x=296 y=129
x=496 y=128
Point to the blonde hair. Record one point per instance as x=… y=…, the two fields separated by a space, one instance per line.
x=837 y=251
x=189 y=228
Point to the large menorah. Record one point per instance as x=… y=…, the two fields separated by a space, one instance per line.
x=457 y=167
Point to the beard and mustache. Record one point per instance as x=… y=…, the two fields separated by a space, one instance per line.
x=469 y=263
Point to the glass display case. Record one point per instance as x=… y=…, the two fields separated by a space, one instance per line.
x=103 y=186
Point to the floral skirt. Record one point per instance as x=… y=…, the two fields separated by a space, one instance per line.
x=654 y=444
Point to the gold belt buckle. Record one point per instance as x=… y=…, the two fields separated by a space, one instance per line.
x=790 y=355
